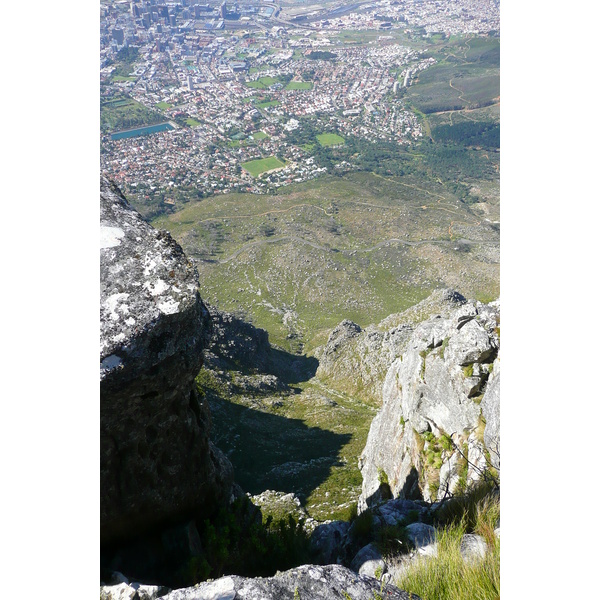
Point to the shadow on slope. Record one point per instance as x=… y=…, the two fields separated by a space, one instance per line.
x=237 y=345
x=269 y=451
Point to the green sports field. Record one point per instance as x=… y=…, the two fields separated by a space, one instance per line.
x=299 y=85
x=262 y=83
x=256 y=167
x=330 y=139
x=259 y=135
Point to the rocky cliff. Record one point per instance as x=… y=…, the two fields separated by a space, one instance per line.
x=157 y=464
x=357 y=360
x=306 y=582
x=438 y=428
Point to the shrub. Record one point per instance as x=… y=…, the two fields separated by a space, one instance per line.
x=235 y=541
x=361 y=526
x=444 y=346
x=382 y=476
x=391 y=540
x=445 y=442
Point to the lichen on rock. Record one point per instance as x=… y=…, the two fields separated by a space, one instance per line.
x=156 y=462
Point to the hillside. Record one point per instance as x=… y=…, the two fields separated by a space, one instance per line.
x=359 y=247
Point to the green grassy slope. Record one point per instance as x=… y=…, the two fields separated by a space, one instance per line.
x=359 y=247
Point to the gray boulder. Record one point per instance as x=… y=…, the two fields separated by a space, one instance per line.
x=327 y=539
x=357 y=360
x=235 y=343
x=420 y=534
x=156 y=462
x=308 y=582
x=490 y=408
x=472 y=547
x=132 y=591
x=368 y=561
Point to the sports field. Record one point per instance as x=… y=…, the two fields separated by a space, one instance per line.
x=262 y=83
x=299 y=85
x=256 y=167
x=330 y=139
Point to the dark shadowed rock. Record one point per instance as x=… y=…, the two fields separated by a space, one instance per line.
x=420 y=534
x=326 y=540
x=234 y=342
x=156 y=462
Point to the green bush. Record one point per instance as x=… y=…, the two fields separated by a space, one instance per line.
x=362 y=525
x=236 y=542
x=391 y=540
x=382 y=476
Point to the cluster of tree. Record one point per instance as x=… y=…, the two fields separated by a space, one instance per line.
x=237 y=542
x=305 y=134
x=128 y=54
x=321 y=55
x=382 y=157
x=451 y=162
x=124 y=60
x=117 y=118
x=469 y=133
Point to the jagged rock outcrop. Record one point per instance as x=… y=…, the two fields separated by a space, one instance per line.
x=308 y=582
x=157 y=463
x=431 y=420
x=357 y=360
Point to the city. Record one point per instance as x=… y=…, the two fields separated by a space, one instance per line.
x=231 y=90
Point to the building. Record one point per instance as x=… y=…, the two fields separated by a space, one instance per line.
x=118 y=36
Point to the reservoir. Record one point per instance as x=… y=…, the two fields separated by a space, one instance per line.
x=141 y=131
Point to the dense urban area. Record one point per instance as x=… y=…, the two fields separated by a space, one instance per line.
x=206 y=98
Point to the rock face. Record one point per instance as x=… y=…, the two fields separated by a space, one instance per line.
x=308 y=582
x=431 y=419
x=357 y=360
x=157 y=463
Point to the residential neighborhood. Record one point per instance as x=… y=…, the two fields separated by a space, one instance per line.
x=233 y=84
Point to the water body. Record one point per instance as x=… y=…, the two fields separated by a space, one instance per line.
x=141 y=131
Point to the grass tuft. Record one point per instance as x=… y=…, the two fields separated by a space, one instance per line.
x=448 y=577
